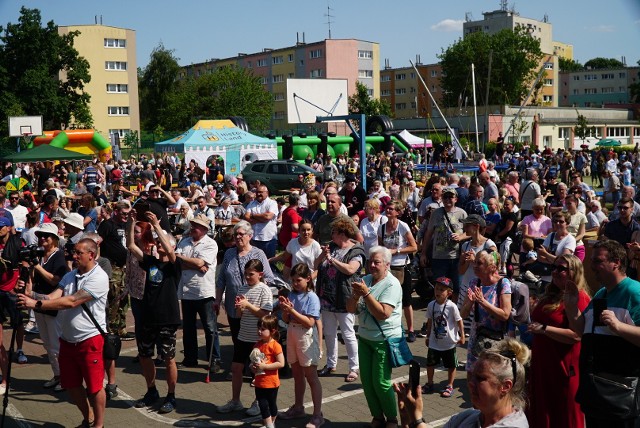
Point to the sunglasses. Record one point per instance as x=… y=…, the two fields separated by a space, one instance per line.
x=560 y=269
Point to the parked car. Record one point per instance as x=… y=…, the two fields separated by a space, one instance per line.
x=277 y=175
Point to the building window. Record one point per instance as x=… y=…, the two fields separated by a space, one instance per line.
x=609 y=90
x=121 y=132
x=118 y=111
x=277 y=60
x=576 y=77
x=365 y=54
x=115 y=65
x=547 y=98
x=278 y=115
x=261 y=63
x=290 y=75
x=412 y=90
x=115 y=43
x=290 y=57
x=590 y=77
x=590 y=91
x=434 y=73
x=365 y=74
x=434 y=88
x=316 y=53
x=401 y=106
x=576 y=92
x=607 y=76
x=370 y=92
x=248 y=64
x=401 y=76
x=385 y=93
x=548 y=82
x=401 y=91
x=279 y=96
x=618 y=131
x=412 y=75
x=385 y=78
x=278 y=78
x=622 y=75
x=548 y=66
x=264 y=80
x=314 y=74
x=118 y=88
x=413 y=105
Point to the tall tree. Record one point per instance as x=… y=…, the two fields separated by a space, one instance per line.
x=227 y=91
x=155 y=83
x=603 y=63
x=570 y=65
x=634 y=89
x=41 y=73
x=361 y=102
x=515 y=60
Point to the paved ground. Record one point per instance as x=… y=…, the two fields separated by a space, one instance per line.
x=31 y=405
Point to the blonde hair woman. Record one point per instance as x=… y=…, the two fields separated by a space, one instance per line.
x=556 y=350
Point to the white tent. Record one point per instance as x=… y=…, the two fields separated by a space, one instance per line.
x=413 y=141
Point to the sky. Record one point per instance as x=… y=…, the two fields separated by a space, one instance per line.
x=199 y=30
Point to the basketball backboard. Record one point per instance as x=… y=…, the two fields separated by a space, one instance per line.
x=309 y=98
x=25 y=125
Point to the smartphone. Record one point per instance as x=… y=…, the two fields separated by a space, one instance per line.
x=414 y=376
x=599 y=305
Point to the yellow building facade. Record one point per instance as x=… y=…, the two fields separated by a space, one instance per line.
x=111 y=53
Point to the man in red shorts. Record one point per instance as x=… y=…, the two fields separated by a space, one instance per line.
x=80 y=341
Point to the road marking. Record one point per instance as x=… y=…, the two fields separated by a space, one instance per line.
x=14 y=413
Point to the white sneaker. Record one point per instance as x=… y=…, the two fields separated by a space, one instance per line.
x=231 y=406
x=254 y=410
x=3 y=389
x=31 y=328
x=530 y=277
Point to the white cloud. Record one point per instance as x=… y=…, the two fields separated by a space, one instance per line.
x=447 y=25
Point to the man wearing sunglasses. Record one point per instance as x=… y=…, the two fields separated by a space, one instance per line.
x=19 y=212
x=622 y=229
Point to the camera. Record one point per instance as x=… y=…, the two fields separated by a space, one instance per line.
x=31 y=254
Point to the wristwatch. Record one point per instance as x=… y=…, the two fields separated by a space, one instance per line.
x=38 y=304
x=417 y=422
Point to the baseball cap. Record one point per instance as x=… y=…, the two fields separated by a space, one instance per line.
x=449 y=190
x=4 y=221
x=445 y=281
x=475 y=219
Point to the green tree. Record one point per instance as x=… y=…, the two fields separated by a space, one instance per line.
x=227 y=91
x=582 y=129
x=515 y=60
x=634 y=89
x=155 y=83
x=361 y=102
x=41 y=73
x=520 y=126
x=570 y=65
x=602 y=63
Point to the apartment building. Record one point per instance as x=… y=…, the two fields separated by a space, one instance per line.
x=597 y=88
x=111 y=53
x=351 y=59
x=404 y=91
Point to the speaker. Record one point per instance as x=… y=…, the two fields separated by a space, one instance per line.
x=287 y=147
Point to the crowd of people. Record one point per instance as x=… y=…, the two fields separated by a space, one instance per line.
x=82 y=243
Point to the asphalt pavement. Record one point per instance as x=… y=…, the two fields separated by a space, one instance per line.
x=31 y=405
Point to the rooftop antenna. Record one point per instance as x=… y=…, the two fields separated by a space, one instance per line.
x=468 y=16
x=504 y=5
x=329 y=16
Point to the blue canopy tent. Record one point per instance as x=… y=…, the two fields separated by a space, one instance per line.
x=220 y=138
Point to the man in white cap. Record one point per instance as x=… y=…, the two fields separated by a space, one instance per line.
x=197 y=255
x=74 y=228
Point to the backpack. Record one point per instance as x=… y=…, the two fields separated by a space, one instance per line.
x=519 y=302
x=474 y=207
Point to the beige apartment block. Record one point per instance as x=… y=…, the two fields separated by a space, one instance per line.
x=111 y=53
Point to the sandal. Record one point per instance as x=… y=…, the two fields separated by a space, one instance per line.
x=351 y=377
x=326 y=371
x=447 y=392
x=427 y=388
x=379 y=422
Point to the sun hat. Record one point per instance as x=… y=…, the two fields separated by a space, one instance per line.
x=201 y=220
x=75 y=220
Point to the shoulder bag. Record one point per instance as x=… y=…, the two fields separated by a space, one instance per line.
x=399 y=352
x=112 y=343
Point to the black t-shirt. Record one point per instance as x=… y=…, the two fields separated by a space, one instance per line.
x=113 y=246
x=57 y=265
x=160 y=300
x=503 y=224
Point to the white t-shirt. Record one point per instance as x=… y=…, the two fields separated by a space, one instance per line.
x=444 y=325
x=194 y=284
x=74 y=324
x=264 y=231
x=369 y=231
x=19 y=214
x=306 y=254
x=394 y=240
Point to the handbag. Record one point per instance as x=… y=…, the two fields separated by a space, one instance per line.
x=112 y=342
x=486 y=339
x=609 y=387
x=399 y=352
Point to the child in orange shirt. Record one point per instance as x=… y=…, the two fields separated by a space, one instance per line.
x=267 y=358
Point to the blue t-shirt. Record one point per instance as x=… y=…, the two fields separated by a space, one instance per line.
x=306 y=303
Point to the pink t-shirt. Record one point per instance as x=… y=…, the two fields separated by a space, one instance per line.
x=537 y=227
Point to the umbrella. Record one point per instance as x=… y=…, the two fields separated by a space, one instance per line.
x=608 y=142
x=46 y=152
x=17 y=183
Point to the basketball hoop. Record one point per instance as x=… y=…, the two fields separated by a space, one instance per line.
x=26 y=139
